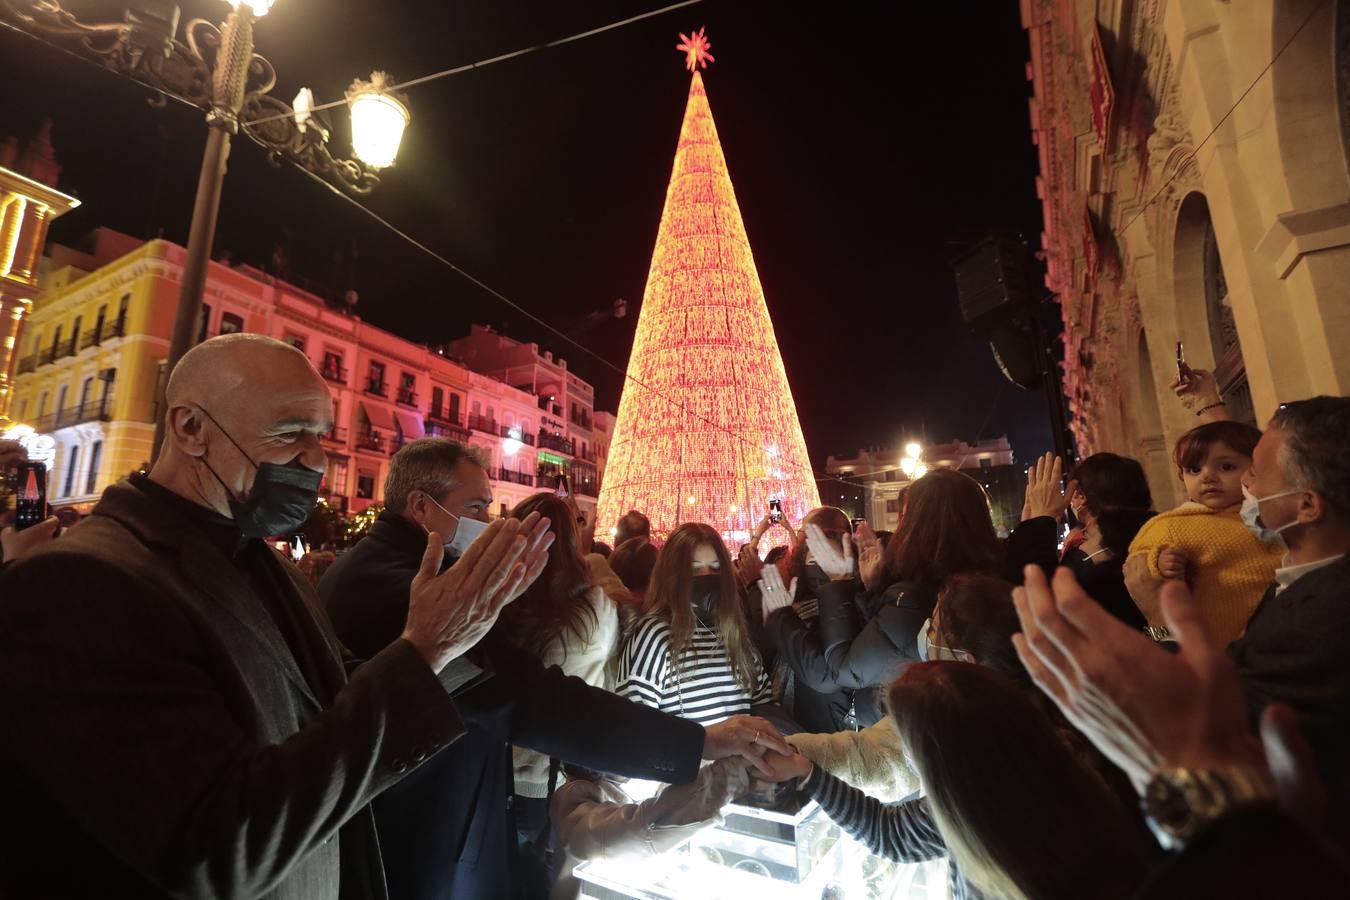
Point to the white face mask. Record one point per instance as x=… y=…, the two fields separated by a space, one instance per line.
x=466 y=530
x=1251 y=516
x=928 y=651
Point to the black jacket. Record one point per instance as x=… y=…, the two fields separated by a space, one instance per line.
x=1296 y=650
x=861 y=643
x=1034 y=542
x=167 y=734
x=447 y=832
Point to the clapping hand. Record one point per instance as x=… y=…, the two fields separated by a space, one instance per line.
x=836 y=562
x=1143 y=707
x=748 y=565
x=1044 y=495
x=451 y=612
x=773 y=594
x=871 y=559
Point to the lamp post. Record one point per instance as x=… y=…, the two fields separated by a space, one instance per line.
x=215 y=68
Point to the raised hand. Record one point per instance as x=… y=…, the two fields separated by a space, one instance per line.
x=871 y=561
x=1044 y=496
x=773 y=595
x=15 y=544
x=451 y=612
x=836 y=562
x=1143 y=707
x=748 y=565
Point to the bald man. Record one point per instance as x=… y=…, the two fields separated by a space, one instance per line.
x=178 y=719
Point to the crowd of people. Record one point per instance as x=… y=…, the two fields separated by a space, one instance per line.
x=1112 y=702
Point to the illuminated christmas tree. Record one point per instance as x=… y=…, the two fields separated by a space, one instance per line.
x=707 y=430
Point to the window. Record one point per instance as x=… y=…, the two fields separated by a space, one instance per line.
x=296 y=341
x=454 y=408
x=890 y=474
x=75 y=335
x=375 y=378
x=365 y=485
x=95 y=453
x=42 y=405
x=98 y=323
x=893 y=506
x=437 y=400
x=84 y=390
x=71 y=467
x=231 y=323
x=986 y=464
x=61 y=398
x=203 y=322
x=56 y=340
x=332 y=366
x=337 y=476
x=407 y=385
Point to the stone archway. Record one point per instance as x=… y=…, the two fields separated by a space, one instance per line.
x=1204 y=311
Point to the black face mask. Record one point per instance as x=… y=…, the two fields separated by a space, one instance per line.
x=814 y=579
x=280 y=501
x=703 y=594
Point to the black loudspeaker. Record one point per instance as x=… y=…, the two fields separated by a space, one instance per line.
x=994 y=281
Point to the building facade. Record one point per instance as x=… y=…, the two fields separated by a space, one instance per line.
x=91 y=357
x=29 y=202
x=563 y=421
x=1193 y=174
x=868 y=485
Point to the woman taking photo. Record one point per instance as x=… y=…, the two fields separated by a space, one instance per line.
x=690 y=654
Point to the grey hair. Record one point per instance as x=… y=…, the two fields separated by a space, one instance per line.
x=1315 y=457
x=427 y=465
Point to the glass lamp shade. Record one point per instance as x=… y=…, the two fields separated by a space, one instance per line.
x=908 y=464
x=913 y=449
x=378 y=119
x=919 y=471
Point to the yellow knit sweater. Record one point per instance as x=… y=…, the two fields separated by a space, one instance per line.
x=1229 y=570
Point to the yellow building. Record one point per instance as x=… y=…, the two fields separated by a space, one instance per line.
x=29 y=202
x=91 y=359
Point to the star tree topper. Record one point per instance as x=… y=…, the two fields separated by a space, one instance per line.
x=695 y=47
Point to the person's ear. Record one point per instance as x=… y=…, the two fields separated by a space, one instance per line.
x=1312 y=508
x=187 y=428
x=417 y=507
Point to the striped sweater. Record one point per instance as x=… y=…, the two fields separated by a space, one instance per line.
x=700 y=685
x=904 y=833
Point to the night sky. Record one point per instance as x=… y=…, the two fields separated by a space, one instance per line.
x=867 y=143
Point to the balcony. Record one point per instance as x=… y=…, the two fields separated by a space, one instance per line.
x=27 y=364
x=335 y=435
x=46 y=356
x=378 y=388
x=585 y=480
x=407 y=397
x=371 y=440
x=91 y=411
x=91 y=337
x=334 y=372
x=446 y=429
x=512 y=477
x=557 y=442
x=514 y=431
x=483 y=423
x=548 y=482
x=582 y=420
x=112 y=330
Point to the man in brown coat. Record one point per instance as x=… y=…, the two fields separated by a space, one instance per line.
x=178 y=718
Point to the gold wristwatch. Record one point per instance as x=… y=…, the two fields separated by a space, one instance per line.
x=1181 y=802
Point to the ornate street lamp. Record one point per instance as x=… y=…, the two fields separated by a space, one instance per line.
x=215 y=68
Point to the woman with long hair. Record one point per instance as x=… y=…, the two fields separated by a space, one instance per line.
x=564 y=620
x=1006 y=799
x=864 y=637
x=690 y=654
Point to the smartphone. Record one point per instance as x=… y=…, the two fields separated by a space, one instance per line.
x=564 y=487
x=775 y=511
x=30 y=507
x=1183 y=370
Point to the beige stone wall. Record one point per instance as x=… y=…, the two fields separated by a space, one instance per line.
x=1201 y=130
